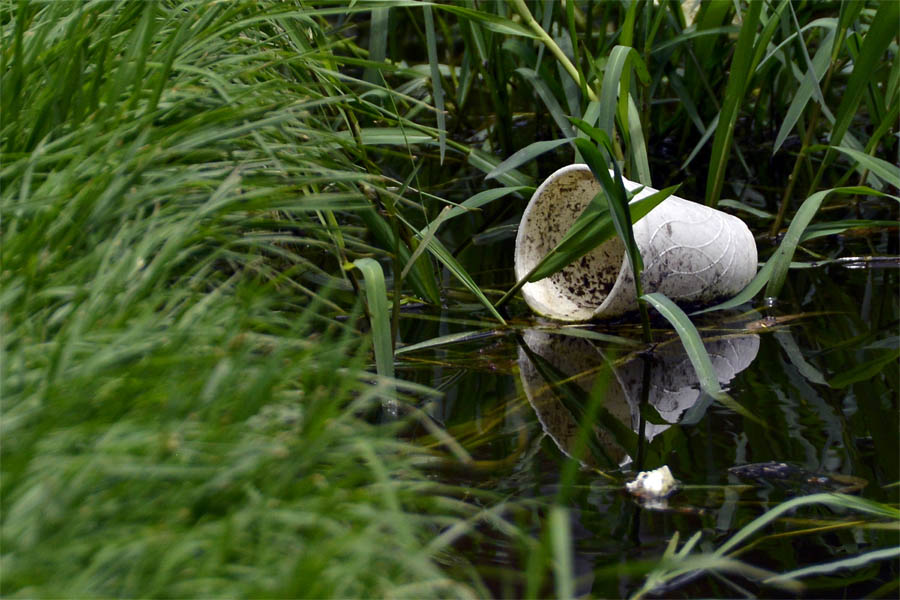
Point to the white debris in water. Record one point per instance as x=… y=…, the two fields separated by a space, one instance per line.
x=654 y=485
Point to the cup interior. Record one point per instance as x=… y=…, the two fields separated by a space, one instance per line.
x=575 y=292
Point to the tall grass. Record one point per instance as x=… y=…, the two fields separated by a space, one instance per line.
x=182 y=414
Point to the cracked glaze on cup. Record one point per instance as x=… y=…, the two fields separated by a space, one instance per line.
x=692 y=253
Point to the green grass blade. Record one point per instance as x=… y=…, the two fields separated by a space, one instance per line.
x=436 y=84
x=378 y=35
x=865 y=370
x=881 y=34
x=549 y=100
x=619 y=59
x=449 y=212
x=459 y=272
x=781 y=260
x=738 y=80
x=589 y=334
x=795 y=355
x=489 y=21
x=561 y=541
x=691 y=341
x=593 y=227
x=696 y=352
x=756 y=212
x=445 y=340
x=485 y=162
x=379 y=314
x=422 y=276
x=638 y=145
x=525 y=155
x=808 y=87
x=890 y=172
x=746 y=294
x=598 y=135
x=617 y=198
x=836 y=500
x=854 y=562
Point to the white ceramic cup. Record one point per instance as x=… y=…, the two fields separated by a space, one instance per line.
x=692 y=253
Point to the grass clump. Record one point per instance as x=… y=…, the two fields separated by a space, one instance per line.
x=178 y=417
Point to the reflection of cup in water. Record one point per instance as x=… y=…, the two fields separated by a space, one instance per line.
x=674 y=386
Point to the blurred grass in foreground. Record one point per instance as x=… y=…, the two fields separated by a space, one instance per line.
x=178 y=420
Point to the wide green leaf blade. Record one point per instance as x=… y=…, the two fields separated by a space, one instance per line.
x=691 y=341
x=619 y=59
x=617 y=198
x=593 y=227
x=696 y=351
x=379 y=314
x=378 y=35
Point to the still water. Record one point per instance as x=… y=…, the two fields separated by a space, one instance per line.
x=814 y=381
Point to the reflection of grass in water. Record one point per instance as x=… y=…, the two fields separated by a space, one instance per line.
x=181 y=397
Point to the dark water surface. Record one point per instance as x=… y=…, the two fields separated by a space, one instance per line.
x=817 y=375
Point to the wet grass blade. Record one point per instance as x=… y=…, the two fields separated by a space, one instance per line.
x=790 y=347
x=865 y=370
x=696 y=352
x=379 y=315
x=459 y=272
x=691 y=341
x=853 y=562
x=781 y=260
x=436 y=84
x=738 y=79
x=445 y=340
x=589 y=334
x=836 y=500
